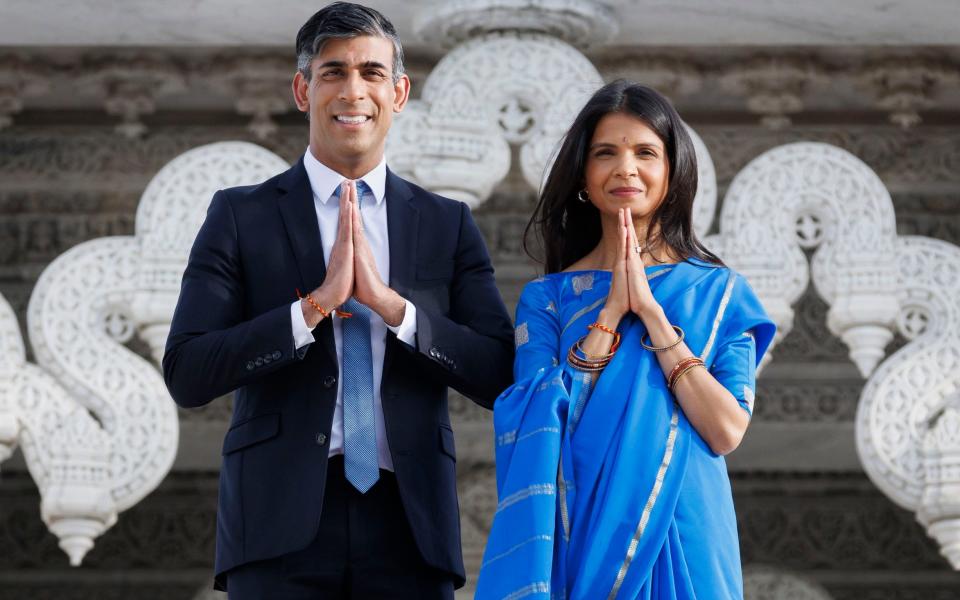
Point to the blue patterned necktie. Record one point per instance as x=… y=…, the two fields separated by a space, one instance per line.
x=361 y=465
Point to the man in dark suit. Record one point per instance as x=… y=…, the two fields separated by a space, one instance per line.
x=338 y=476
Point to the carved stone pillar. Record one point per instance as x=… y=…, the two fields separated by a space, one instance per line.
x=773 y=86
x=18 y=79
x=260 y=87
x=905 y=86
x=129 y=87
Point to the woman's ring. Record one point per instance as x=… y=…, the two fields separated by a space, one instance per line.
x=638 y=249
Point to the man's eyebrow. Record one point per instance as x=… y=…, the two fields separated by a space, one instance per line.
x=370 y=64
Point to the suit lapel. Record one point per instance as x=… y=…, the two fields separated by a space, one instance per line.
x=403 y=220
x=300 y=220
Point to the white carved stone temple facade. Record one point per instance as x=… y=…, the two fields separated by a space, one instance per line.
x=828 y=142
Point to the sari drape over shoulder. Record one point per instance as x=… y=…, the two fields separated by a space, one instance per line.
x=605 y=489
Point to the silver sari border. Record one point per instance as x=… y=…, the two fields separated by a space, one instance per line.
x=537 y=489
x=648 y=507
x=537 y=538
x=720 y=311
x=539 y=587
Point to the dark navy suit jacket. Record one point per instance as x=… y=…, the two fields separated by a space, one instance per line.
x=232 y=331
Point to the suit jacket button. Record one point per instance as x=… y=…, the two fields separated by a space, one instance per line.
x=250 y=365
x=435 y=352
x=321 y=439
x=329 y=381
x=259 y=361
x=276 y=355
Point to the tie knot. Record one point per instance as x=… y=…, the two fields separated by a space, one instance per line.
x=362 y=189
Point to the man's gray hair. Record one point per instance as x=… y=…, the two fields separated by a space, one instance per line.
x=341 y=21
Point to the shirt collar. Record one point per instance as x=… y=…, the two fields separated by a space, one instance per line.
x=324 y=180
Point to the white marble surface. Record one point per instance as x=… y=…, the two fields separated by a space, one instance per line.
x=646 y=23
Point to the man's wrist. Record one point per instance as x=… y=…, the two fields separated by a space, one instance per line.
x=391 y=306
x=311 y=314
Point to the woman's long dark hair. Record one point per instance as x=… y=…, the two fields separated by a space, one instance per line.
x=569 y=229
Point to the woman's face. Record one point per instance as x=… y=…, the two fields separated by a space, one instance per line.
x=626 y=167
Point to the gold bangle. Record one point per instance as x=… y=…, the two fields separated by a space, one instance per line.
x=676 y=379
x=681 y=365
x=586 y=364
x=663 y=348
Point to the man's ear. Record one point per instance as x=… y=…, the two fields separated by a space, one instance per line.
x=300 y=87
x=402 y=90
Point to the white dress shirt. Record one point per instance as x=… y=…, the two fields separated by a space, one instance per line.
x=324 y=181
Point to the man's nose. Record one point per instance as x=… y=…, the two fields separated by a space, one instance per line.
x=352 y=88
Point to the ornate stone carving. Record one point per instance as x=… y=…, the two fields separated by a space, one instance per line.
x=816 y=195
x=671 y=76
x=516 y=87
x=19 y=78
x=906 y=85
x=773 y=85
x=577 y=22
x=908 y=419
x=130 y=86
x=260 y=86
x=170 y=213
x=762 y=582
x=65 y=449
x=86 y=305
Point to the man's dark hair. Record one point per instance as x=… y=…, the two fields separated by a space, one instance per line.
x=344 y=20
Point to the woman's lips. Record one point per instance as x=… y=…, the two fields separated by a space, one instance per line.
x=626 y=191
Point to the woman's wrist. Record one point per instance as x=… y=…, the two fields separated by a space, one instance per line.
x=653 y=317
x=610 y=316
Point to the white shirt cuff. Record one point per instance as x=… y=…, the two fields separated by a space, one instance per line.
x=406 y=331
x=302 y=335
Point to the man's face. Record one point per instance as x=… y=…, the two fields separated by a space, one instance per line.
x=350 y=99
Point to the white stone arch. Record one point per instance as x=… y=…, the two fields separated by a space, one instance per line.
x=497 y=89
x=99 y=410
x=814 y=195
x=908 y=417
x=66 y=452
x=170 y=213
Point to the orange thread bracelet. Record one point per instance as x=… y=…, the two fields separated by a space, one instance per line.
x=603 y=328
x=311 y=302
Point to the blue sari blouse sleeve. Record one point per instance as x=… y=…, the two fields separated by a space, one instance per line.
x=748 y=332
x=537 y=333
x=735 y=369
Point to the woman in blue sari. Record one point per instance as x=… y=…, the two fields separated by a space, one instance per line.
x=635 y=374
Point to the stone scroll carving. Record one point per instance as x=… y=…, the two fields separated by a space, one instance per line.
x=488 y=93
x=98 y=428
x=816 y=196
x=67 y=453
x=908 y=418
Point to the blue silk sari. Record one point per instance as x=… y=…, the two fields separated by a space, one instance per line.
x=605 y=489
